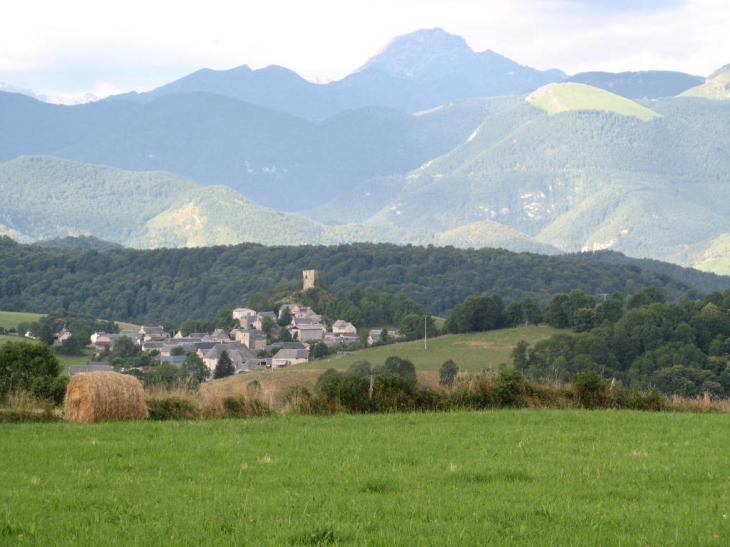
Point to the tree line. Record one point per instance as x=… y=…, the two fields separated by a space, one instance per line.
x=172 y=285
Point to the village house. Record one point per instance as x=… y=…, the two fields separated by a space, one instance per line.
x=155 y=334
x=153 y=345
x=240 y=313
x=293 y=309
x=62 y=335
x=253 y=364
x=220 y=335
x=332 y=339
x=176 y=360
x=305 y=331
x=253 y=339
x=344 y=328
x=258 y=324
x=374 y=336
x=285 y=345
x=103 y=340
x=237 y=352
x=290 y=357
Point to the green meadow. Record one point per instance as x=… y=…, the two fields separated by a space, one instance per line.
x=521 y=477
x=472 y=352
x=13 y=319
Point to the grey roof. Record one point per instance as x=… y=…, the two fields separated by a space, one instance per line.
x=215 y=351
x=171 y=342
x=253 y=364
x=206 y=345
x=292 y=354
x=285 y=345
x=173 y=359
x=153 y=331
x=153 y=345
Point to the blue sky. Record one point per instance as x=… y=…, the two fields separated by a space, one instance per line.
x=114 y=46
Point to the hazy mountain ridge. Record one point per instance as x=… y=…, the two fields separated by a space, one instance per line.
x=212 y=139
x=646 y=84
x=417 y=71
x=56 y=198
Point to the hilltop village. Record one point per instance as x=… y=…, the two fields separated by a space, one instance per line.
x=248 y=344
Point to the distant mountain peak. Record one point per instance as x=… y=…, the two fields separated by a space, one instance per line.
x=417 y=55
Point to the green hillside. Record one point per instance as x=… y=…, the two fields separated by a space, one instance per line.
x=154 y=286
x=716 y=256
x=717 y=86
x=473 y=352
x=565 y=97
x=55 y=198
x=583 y=179
x=492 y=234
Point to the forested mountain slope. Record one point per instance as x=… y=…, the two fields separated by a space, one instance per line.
x=582 y=172
x=174 y=284
x=53 y=197
x=275 y=159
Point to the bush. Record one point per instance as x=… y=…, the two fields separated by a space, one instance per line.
x=31 y=367
x=510 y=387
x=244 y=407
x=447 y=373
x=589 y=389
x=172 y=407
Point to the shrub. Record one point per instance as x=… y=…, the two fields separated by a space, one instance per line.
x=172 y=407
x=589 y=389
x=244 y=407
x=510 y=387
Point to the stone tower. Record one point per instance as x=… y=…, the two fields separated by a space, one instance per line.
x=308 y=279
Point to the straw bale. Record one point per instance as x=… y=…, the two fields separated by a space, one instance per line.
x=104 y=396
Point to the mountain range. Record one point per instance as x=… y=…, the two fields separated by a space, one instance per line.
x=428 y=142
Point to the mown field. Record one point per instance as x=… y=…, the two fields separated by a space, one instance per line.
x=483 y=478
x=12 y=319
x=472 y=352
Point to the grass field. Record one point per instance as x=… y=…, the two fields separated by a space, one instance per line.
x=484 y=478
x=12 y=319
x=65 y=360
x=472 y=352
x=555 y=98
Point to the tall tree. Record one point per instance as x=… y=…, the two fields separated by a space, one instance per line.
x=224 y=367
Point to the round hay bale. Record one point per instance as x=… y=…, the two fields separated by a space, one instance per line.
x=104 y=396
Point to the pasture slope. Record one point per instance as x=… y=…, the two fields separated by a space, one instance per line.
x=510 y=477
x=473 y=352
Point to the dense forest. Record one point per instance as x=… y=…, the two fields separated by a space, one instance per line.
x=171 y=285
x=680 y=347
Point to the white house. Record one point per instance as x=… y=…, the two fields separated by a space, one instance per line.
x=344 y=328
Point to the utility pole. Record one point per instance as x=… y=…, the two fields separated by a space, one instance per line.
x=425 y=333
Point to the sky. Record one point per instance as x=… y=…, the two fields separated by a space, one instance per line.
x=105 y=47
